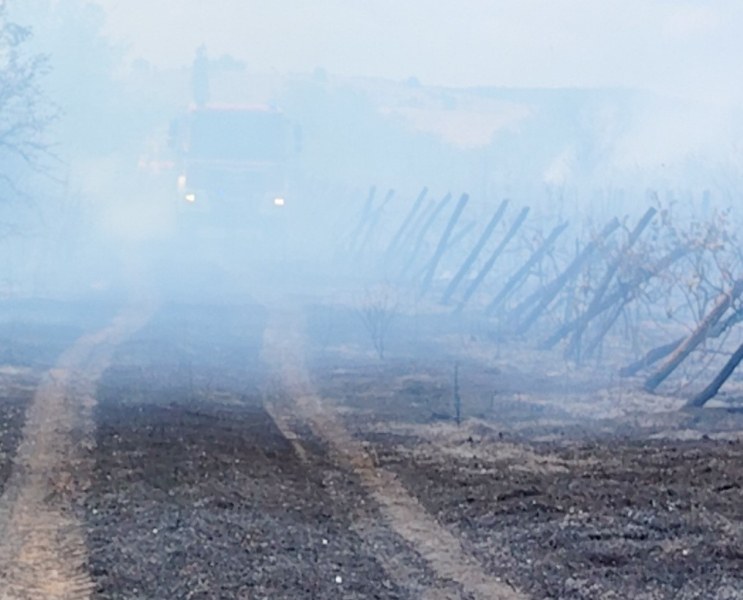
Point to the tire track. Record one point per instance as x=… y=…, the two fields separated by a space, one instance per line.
x=443 y=551
x=43 y=552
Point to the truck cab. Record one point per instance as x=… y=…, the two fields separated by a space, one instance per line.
x=233 y=161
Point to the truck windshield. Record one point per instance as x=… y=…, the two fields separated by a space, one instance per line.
x=238 y=135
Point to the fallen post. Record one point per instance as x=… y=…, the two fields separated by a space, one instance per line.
x=711 y=390
x=650 y=358
x=659 y=353
x=695 y=338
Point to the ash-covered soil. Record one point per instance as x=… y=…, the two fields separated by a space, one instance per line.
x=13 y=404
x=558 y=506
x=197 y=494
x=587 y=520
x=210 y=501
x=555 y=484
x=566 y=484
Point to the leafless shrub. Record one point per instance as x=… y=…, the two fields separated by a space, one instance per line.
x=377 y=311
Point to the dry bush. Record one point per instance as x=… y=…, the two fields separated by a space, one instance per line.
x=377 y=310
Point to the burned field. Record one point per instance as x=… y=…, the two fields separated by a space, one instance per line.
x=209 y=481
x=564 y=485
x=197 y=494
x=564 y=508
x=381 y=300
x=198 y=501
x=589 y=520
x=365 y=444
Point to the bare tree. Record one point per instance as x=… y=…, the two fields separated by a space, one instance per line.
x=25 y=112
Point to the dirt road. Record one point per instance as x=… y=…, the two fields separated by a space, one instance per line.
x=42 y=543
x=228 y=452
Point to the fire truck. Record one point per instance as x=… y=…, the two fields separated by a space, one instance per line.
x=233 y=162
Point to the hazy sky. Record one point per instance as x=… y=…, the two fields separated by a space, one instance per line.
x=673 y=45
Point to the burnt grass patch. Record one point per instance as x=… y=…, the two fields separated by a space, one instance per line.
x=203 y=501
x=195 y=492
x=559 y=507
x=13 y=405
x=603 y=519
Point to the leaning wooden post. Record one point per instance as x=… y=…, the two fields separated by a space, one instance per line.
x=373 y=222
x=611 y=271
x=487 y=267
x=618 y=295
x=656 y=354
x=650 y=358
x=441 y=247
x=365 y=212
x=423 y=231
x=603 y=331
x=544 y=297
x=406 y=244
x=711 y=390
x=695 y=338
x=521 y=274
x=488 y=231
x=614 y=266
x=454 y=241
x=405 y=224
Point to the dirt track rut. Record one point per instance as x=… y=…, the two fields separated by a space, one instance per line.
x=42 y=545
x=283 y=344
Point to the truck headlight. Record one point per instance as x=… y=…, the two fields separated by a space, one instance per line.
x=191 y=198
x=278 y=201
